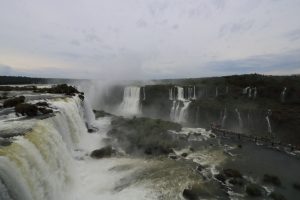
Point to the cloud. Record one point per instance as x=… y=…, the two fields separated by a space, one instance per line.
x=6 y=70
x=139 y=39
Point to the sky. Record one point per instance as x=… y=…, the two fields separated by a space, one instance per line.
x=148 y=39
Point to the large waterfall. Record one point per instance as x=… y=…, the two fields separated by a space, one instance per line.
x=38 y=165
x=130 y=105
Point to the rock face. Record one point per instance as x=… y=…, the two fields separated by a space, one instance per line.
x=277 y=196
x=13 y=102
x=103 y=152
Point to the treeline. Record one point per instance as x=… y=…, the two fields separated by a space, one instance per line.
x=11 y=80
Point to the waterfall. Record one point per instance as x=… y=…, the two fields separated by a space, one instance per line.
x=227 y=89
x=194 y=93
x=171 y=94
x=255 y=93
x=217 y=91
x=183 y=112
x=245 y=90
x=269 y=113
x=283 y=95
x=130 y=105
x=38 y=165
x=180 y=93
x=144 y=94
x=239 y=118
x=224 y=118
x=249 y=92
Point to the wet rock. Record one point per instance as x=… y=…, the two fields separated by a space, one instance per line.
x=196 y=192
x=81 y=97
x=45 y=110
x=232 y=173
x=26 y=109
x=254 y=190
x=220 y=177
x=13 y=102
x=42 y=103
x=240 y=146
x=184 y=155
x=103 y=152
x=277 y=196
x=212 y=135
x=271 y=179
x=296 y=186
x=200 y=168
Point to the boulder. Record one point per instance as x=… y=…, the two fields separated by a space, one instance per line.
x=42 y=103
x=103 y=152
x=254 y=190
x=271 y=179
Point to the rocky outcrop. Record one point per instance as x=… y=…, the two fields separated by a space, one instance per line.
x=13 y=101
x=26 y=109
x=104 y=152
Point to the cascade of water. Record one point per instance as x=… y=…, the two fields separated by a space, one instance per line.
x=249 y=92
x=217 y=91
x=38 y=165
x=131 y=101
x=227 y=89
x=224 y=118
x=194 y=93
x=245 y=90
x=183 y=112
x=283 y=94
x=269 y=113
x=172 y=113
x=255 y=93
x=171 y=94
x=180 y=93
x=239 y=118
x=144 y=93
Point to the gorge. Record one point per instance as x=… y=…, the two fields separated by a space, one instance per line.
x=162 y=147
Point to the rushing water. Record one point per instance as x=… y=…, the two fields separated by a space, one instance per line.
x=131 y=101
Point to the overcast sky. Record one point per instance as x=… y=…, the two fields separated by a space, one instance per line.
x=145 y=39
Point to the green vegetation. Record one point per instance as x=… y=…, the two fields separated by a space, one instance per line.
x=144 y=135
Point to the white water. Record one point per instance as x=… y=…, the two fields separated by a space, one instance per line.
x=224 y=118
x=217 y=92
x=268 y=121
x=130 y=105
x=51 y=162
x=283 y=95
